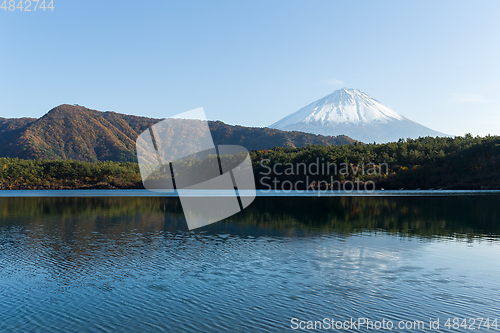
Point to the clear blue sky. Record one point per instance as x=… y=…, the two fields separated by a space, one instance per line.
x=254 y=62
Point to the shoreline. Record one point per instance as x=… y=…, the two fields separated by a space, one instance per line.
x=224 y=193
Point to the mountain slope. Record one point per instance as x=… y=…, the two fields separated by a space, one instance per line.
x=355 y=114
x=78 y=133
x=258 y=138
x=74 y=132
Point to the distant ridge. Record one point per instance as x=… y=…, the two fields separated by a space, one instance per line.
x=78 y=133
x=355 y=114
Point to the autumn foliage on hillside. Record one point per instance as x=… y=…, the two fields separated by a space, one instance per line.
x=449 y=163
x=72 y=132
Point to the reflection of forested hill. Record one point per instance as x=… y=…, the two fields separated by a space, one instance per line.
x=456 y=216
x=78 y=133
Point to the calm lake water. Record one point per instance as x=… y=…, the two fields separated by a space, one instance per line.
x=129 y=264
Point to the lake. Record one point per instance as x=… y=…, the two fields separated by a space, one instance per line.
x=94 y=261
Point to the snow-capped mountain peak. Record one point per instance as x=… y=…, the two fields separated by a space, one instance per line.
x=353 y=113
x=347 y=106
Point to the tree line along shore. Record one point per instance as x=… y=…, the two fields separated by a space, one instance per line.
x=465 y=162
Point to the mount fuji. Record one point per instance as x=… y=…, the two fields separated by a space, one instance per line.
x=355 y=114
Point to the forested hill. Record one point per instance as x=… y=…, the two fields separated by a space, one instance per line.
x=459 y=163
x=451 y=163
x=78 y=133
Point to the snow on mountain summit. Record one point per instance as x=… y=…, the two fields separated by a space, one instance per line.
x=355 y=114
x=342 y=106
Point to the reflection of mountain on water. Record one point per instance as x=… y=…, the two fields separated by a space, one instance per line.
x=113 y=230
x=119 y=258
x=461 y=216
